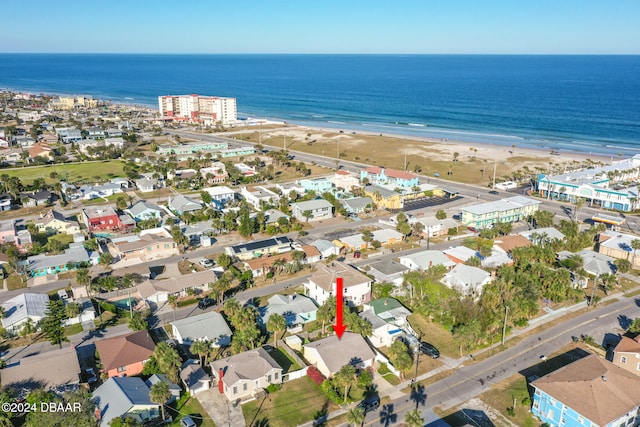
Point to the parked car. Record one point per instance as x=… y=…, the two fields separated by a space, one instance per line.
x=357 y=254
x=429 y=350
x=205 y=302
x=187 y=422
x=206 y=262
x=494 y=192
x=369 y=404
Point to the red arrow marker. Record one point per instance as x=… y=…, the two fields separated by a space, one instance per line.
x=339 y=328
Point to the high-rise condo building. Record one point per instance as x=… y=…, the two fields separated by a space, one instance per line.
x=207 y=110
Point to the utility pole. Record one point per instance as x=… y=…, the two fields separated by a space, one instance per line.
x=593 y=292
x=504 y=326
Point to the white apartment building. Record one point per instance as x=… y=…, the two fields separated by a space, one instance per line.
x=207 y=110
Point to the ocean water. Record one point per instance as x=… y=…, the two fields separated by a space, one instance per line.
x=567 y=103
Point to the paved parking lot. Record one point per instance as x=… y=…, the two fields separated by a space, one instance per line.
x=411 y=205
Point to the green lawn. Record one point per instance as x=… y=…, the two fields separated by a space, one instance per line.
x=296 y=403
x=72 y=172
x=284 y=360
x=188 y=406
x=15 y=282
x=388 y=375
x=72 y=330
x=436 y=334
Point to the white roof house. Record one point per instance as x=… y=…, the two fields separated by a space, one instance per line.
x=425 y=260
x=330 y=354
x=326 y=248
x=593 y=262
x=22 y=307
x=319 y=209
x=209 y=326
x=466 y=279
x=296 y=309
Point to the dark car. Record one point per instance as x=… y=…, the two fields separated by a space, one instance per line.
x=429 y=350
x=494 y=192
x=369 y=404
x=205 y=302
x=357 y=254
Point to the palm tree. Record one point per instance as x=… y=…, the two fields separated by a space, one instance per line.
x=173 y=302
x=326 y=312
x=159 y=393
x=413 y=418
x=72 y=309
x=356 y=416
x=232 y=307
x=201 y=348
x=367 y=237
x=275 y=324
x=346 y=376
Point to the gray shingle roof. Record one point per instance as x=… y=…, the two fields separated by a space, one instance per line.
x=118 y=395
x=22 y=306
x=339 y=352
x=210 y=325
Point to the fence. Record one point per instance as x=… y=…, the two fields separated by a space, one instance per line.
x=290 y=376
x=380 y=358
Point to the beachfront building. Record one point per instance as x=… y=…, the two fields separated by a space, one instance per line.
x=604 y=186
x=184 y=151
x=511 y=209
x=207 y=110
x=389 y=177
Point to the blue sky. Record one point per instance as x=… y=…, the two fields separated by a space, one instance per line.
x=328 y=26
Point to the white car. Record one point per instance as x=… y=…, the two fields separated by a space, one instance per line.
x=206 y=262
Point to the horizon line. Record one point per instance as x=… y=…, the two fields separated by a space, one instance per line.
x=325 y=53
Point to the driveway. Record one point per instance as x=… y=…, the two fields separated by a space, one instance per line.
x=220 y=410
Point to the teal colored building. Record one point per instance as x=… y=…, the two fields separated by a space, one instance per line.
x=512 y=209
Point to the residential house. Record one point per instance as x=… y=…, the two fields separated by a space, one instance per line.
x=322 y=284
x=506 y=244
x=434 y=227
x=287 y=188
x=312 y=210
x=38 y=198
x=385 y=236
x=357 y=205
x=245 y=170
x=330 y=354
x=8 y=233
x=210 y=327
x=511 y=209
x=97 y=191
x=195 y=232
x=146 y=185
x=146 y=246
x=216 y=174
x=55 y=222
x=319 y=185
x=424 y=260
x=326 y=248
x=273 y=215
x=143 y=210
x=618 y=245
x=126 y=397
x=627 y=354
x=261 y=266
x=259 y=196
x=114 y=133
x=41 y=149
x=174 y=388
x=220 y=195
x=390 y=177
x=87 y=311
x=588 y=392
x=194 y=378
x=23 y=308
x=384 y=198
x=387 y=316
x=296 y=309
x=260 y=248
x=344 y=180
x=387 y=271
x=104 y=218
x=540 y=235
x=68 y=135
x=125 y=355
x=460 y=254
x=592 y=262
x=158 y=291
x=242 y=375
x=56 y=370
x=467 y=280
x=43 y=264
x=181 y=204
x=95 y=133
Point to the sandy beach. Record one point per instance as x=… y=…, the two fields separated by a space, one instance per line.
x=460 y=160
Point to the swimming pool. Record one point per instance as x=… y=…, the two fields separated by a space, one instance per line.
x=125 y=303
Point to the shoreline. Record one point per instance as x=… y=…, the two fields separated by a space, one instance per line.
x=413 y=132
